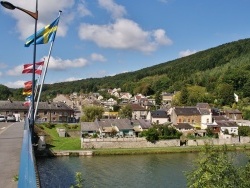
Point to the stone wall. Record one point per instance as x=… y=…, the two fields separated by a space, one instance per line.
x=233 y=140
x=143 y=143
x=125 y=143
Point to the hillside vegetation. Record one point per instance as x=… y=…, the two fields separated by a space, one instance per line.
x=212 y=75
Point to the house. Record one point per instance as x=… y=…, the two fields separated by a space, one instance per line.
x=234 y=114
x=167 y=98
x=89 y=128
x=115 y=127
x=138 y=112
x=146 y=103
x=140 y=125
x=47 y=112
x=158 y=116
x=224 y=127
x=185 y=128
x=206 y=114
x=189 y=115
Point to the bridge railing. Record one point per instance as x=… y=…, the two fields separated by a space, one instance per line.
x=28 y=175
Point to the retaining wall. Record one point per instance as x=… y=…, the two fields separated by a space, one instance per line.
x=143 y=143
x=126 y=143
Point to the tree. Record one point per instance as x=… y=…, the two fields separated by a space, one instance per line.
x=152 y=135
x=214 y=168
x=91 y=113
x=126 y=112
x=158 y=98
x=244 y=131
x=79 y=181
x=184 y=96
x=4 y=92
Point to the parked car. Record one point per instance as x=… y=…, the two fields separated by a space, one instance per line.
x=11 y=118
x=2 y=118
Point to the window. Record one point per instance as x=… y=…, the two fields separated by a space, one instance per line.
x=179 y=120
x=207 y=120
x=45 y=112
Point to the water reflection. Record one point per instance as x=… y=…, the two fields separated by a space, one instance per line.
x=140 y=171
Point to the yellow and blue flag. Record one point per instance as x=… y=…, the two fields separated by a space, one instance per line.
x=44 y=35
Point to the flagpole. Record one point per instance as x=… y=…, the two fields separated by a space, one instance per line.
x=32 y=123
x=46 y=66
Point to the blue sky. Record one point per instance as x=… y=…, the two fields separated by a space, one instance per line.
x=99 y=38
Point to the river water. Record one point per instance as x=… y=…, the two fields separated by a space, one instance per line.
x=126 y=171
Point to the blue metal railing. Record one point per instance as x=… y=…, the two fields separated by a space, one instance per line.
x=28 y=176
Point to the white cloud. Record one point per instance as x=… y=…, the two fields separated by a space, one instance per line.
x=16 y=84
x=16 y=71
x=187 y=53
x=124 y=34
x=82 y=9
x=97 y=57
x=48 y=11
x=116 y=10
x=59 y=64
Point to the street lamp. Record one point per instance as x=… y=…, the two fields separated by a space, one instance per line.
x=35 y=16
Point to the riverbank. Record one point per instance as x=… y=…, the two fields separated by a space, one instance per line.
x=135 y=151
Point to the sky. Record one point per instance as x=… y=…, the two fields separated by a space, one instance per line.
x=97 y=38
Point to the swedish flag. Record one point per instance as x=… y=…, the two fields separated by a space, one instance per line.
x=44 y=35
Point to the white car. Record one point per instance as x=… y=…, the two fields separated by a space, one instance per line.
x=2 y=118
x=11 y=118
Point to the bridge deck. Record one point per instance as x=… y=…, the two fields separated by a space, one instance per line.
x=11 y=136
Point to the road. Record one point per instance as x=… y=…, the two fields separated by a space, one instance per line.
x=11 y=137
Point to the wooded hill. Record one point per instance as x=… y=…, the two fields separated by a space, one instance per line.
x=216 y=72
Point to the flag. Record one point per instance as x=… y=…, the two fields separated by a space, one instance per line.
x=30 y=65
x=44 y=35
x=26 y=103
x=37 y=71
x=28 y=68
x=28 y=85
x=27 y=92
x=28 y=98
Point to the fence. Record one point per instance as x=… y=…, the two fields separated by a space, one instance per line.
x=28 y=176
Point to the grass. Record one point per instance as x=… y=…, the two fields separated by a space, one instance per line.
x=70 y=143
x=185 y=149
x=60 y=143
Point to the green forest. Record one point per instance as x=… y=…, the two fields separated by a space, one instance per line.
x=212 y=76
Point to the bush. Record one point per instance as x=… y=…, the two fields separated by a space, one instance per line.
x=50 y=125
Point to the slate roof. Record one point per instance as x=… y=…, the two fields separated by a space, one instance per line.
x=236 y=111
x=18 y=105
x=184 y=126
x=226 y=124
x=219 y=118
x=89 y=126
x=145 y=124
x=159 y=114
x=204 y=111
x=137 y=107
x=121 y=124
x=187 y=111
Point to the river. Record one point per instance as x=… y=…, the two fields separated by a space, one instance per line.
x=126 y=171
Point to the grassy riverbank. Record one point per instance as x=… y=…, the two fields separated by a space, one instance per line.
x=185 y=149
x=57 y=143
